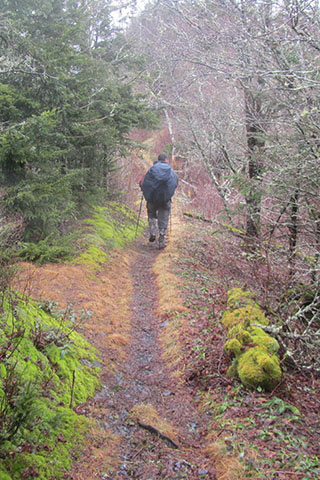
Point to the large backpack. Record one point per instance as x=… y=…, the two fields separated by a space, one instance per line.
x=159 y=183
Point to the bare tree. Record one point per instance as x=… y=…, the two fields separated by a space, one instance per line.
x=238 y=82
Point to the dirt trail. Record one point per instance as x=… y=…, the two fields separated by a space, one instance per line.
x=137 y=383
x=143 y=379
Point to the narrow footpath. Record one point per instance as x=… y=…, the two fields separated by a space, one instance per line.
x=160 y=430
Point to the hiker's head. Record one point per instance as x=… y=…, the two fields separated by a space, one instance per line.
x=162 y=157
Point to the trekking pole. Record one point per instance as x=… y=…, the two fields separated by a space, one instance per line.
x=137 y=226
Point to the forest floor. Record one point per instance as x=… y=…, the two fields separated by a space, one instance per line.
x=141 y=393
x=166 y=409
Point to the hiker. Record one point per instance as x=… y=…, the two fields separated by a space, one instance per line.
x=158 y=186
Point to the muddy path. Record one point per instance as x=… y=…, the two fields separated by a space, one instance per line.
x=143 y=403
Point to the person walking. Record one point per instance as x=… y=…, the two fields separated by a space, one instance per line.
x=158 y=187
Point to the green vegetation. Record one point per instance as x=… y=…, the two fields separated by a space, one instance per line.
x=254 y=351
x=46 y=368
x=112 y=226
x=49 y=250
x=67 y=111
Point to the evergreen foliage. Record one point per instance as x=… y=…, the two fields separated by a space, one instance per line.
x=66 y=110
x=48 y=250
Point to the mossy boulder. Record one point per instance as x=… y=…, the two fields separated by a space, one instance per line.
x=244 y=315
x=233 y=346
x=254 y=351
x=256 y=367
x=239 y=298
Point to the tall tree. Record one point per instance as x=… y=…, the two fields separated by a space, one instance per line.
x=68 y=113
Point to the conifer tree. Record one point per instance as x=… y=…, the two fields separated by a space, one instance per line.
x=67 y=114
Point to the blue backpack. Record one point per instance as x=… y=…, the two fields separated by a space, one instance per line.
x=159 y=183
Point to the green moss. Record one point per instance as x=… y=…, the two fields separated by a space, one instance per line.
x=245 y=315
x=233 y=346
x=113 y=226
x=239 y=298
x=3 y=475
x=264 y=340
x=93 y=257
x=254 y=351
x=3 y=371
x=50 y=365
x=257 y=368
x=53 y=353
x=234 y=229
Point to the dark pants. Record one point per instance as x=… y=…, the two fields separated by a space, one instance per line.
x=160 y=213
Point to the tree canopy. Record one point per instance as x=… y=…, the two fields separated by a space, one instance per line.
x=67 y=109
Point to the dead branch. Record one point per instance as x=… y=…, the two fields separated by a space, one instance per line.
x=155 y=431
x=197 y=217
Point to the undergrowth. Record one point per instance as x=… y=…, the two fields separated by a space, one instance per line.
x=52 y=249
x=273 y=435
x=112 y=226
x=46 y=369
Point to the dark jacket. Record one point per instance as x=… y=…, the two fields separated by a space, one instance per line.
x=159 y=183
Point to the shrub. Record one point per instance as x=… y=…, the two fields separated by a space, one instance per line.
x=50 y=250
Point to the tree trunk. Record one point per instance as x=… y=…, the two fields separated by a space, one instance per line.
x=293 y=229
x=255 y=143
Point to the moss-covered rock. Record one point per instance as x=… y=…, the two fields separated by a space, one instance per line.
x=254 y=352
x=263 y=340
x=244 y=315
x=256 y=368
x=239 y=298
x=233 y=346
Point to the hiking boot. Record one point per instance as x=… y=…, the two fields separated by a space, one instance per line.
x=152 y=238
x=162 y=242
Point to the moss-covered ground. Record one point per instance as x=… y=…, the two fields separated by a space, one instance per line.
x=111 y=226
x=47 y=367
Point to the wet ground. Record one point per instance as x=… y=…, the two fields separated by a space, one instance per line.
x=143 y=378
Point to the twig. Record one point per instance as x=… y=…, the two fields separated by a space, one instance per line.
x=189 y=184
x=197 y=217
x=287 y=472
x=137 y=453
x=154 y=430
x=72 y=387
